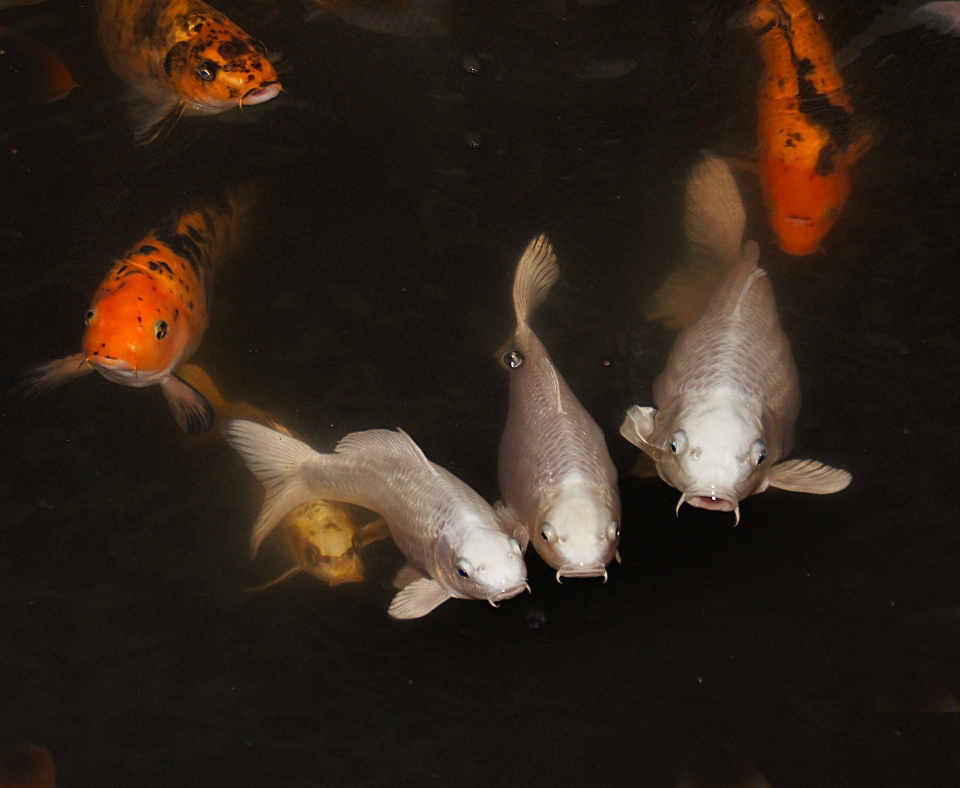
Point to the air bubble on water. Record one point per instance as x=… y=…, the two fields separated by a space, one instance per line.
x=534 y=617
x=471 y=64
x=473 y=139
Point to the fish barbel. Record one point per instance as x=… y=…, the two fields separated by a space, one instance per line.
x=449 y=534
x=727 y=401
x=558 y=482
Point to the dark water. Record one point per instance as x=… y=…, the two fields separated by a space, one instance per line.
x=374 y=293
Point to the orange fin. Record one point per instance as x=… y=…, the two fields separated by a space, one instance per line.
x=50 y=79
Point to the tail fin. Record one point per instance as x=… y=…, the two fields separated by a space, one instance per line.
x=276 y=460
x=944 y=17
x=536 y=274
x=714 y=223
x=714 y=212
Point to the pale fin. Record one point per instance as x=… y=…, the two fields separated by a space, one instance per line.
x=715 y=217
x=372 y=532
x=510 y=525
x=808 y=476
x=536 y=274
x=289 y=573
x=386 y=441
x=43 y=378
x=153 y=123
x=191 y=410
x=638 y=427
x=944 y=17
x=554 y=378
x=406 y=576
x=276 y=460
x=417 y=599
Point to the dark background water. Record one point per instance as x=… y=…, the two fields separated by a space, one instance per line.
x=373 y=294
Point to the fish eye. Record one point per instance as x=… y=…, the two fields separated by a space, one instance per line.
x=613 y=531
x=160 y=329
x=758 y=452
x=88 y=317
x=463 y=568
x=312 y=555
x=207 y=71
x=678 y=441
x=514 y=359
x=767 y=27
x=547 y=532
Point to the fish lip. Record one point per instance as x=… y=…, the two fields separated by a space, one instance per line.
x=263 y=92
x=588 y=570
x=715 y=502
x=509 y=593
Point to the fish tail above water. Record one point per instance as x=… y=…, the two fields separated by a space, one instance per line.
x=536 y=274
x=276 y=460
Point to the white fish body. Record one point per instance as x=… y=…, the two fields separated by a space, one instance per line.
x=448 y=533
x=558 y=483
x=728 y=399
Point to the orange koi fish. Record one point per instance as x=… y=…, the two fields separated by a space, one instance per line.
x=27 y=766
x=50 y=80
x=185 y=57
x=323 y=539
x=805 y=130
x=150 y=313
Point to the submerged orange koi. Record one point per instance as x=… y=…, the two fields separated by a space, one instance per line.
x=27 y=766
x=184 y=56
x=150 y=313
x=323 y=539
x=50 y=79
x=805 y=130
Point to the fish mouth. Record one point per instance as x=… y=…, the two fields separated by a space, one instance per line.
x=582 y=570
x=712 y=501
x=265 y=92
x=508 y=593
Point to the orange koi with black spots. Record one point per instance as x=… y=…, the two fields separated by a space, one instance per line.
x=805 y=130
x=184 y=56
x=150 y=313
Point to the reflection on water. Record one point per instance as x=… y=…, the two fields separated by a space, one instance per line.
x=373 y=293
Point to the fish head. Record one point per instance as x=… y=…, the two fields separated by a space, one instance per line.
x=486 y=564
x=715 y=453
x=322 y=537
x=135 y=328
x=579 y=531
x=219 y=67
x=801 y=227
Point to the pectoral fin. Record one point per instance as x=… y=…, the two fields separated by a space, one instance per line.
x=511 y=525
x=645 y=467
x=406 y=576
x=37 y=380
x=417 y=599
x=191 y=409
x=373 y=531
x=153 y=123
x=808 y=476
x=638 y=427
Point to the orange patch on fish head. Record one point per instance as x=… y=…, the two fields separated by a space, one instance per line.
x=221 y=67
x=322 y=537
x=136 y=325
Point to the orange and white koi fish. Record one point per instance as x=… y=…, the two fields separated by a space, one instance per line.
x=50 y=80
x=409 y=18
x=806 y=137
x=184 y=56
x=27 y=766
x=150 y=313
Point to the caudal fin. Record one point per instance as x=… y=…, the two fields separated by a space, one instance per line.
x=714 y=212
x=536 y=274
x=714 y=224
x=276 y=460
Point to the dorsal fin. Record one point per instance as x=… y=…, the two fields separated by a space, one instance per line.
x=554 y=380
x=387 y=441
x=536 y=274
